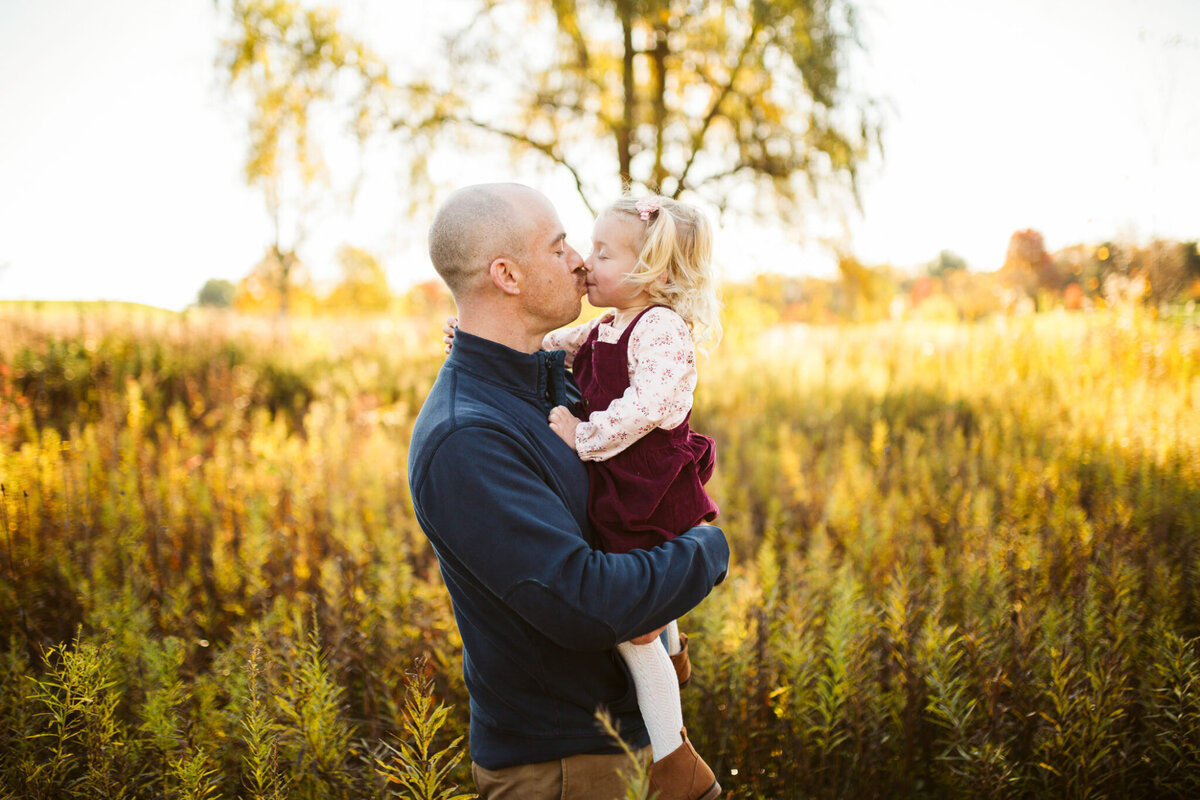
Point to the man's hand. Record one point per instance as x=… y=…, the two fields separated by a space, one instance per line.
x=564 y=423
x=647 y=638
x=449 y=328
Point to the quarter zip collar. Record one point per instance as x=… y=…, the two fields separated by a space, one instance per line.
x=541 y=376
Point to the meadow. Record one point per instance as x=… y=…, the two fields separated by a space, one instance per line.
x=966 y=560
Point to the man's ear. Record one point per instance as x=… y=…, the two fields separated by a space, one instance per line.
x=506 y=275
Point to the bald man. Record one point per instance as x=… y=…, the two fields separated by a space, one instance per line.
x=503 y=501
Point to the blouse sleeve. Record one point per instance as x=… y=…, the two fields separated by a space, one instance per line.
x=570 y=339
x=662 y=378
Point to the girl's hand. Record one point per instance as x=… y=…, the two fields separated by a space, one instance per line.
x=564 y=423
x=450 y=327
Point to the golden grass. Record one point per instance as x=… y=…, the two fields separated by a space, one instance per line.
x=965 y=558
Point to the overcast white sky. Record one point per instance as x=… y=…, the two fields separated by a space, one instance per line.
x=120 y=159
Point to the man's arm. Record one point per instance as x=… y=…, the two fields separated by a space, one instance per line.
x=485 y=506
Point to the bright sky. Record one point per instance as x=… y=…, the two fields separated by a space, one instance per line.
x=121 y=159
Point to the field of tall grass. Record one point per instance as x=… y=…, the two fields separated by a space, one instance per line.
x=966 y=561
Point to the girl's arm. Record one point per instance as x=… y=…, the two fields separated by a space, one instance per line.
x=570 y=339
x=662 y=366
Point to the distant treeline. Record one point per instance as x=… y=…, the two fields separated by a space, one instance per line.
x=1163 y=276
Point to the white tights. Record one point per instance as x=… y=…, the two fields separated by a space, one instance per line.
x=657 y=691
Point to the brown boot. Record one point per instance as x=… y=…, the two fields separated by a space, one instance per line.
x=681 y=662
x=683 y=775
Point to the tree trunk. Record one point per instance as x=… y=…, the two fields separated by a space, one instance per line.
x=286 y=262
x=659 y=54
x=625 y=129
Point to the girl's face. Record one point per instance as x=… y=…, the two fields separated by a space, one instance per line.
x=616 y=243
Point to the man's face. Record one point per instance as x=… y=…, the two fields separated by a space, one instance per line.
x=554 y=274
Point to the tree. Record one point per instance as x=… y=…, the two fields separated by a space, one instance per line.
x=867 y=291
x=742 y=100
x=216 y=293
x=293 y=65
x=278 y=284
x=1191 y=255
x=1084 y=266
x=1166 y=267
x=363 y=286
x=945 y=263
x=1027 y=265
x=974 y=294
x=427 y=299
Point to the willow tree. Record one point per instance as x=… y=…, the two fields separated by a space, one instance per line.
x=743 y=103
x=297 y=73
x=746 y=99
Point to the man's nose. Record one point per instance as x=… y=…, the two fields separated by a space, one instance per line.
x=574 y=259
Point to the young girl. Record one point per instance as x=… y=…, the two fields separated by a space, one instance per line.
x=651 y=262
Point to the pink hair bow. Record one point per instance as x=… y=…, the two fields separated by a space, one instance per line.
x=647 y=206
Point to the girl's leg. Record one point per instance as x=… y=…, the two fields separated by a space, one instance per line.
x=658 y=694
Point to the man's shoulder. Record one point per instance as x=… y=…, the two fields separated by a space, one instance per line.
x=456 y=405
x=453 y=403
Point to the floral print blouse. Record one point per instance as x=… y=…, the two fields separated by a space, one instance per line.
x=662 y=379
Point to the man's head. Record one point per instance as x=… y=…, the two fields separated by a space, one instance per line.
x=502 y=251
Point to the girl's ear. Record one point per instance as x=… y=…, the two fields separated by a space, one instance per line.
x=505 y=275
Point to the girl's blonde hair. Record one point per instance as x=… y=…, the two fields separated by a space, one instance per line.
x=675 y=263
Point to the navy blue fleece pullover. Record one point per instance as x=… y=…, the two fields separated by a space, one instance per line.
x=504 y=503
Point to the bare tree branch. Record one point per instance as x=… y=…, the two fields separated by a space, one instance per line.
x=545 y=148
x=698 y=137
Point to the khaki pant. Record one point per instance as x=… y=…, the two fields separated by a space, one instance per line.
x=582 y=777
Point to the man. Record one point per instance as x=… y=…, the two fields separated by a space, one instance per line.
x=504 y=503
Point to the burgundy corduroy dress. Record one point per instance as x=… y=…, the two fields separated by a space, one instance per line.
x=652 y=490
